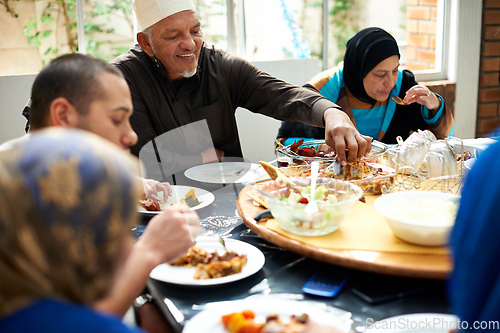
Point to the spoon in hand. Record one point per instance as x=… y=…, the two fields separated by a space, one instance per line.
x=398 y=100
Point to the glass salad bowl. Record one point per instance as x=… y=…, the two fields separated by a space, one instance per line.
x=287 y=202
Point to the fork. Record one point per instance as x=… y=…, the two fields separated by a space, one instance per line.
x=237 y=173
x=221 y=240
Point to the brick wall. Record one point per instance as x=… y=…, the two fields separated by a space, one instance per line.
x=421 y=19
x=420 y=51
x=421 y=16
x=445 y=89
x=488 y=114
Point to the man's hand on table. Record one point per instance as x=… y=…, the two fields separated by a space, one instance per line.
x=341 y=134
x=169 y=234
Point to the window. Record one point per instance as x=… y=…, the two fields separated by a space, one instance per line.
x=292 y=29
x=259 y=30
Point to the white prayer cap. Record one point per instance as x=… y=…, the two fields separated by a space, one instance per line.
x=149 y=12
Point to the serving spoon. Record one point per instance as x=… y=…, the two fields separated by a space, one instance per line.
x=335 y=167
x=312 y=205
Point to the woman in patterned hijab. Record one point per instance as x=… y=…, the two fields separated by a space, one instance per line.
x=67 y=205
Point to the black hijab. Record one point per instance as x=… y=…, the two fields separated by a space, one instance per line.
x=364 y=51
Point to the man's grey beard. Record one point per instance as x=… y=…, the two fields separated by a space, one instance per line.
x=186 y=74
x=189 y=73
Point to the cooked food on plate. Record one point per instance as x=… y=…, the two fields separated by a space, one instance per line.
x=464 y=156
x=300 y=149
x=244 y=322
x=367 y=173
x=371 y=177
x=210 y=265
x=150 y=205
x=304 y=152
x=190 y=199
x=355 y=171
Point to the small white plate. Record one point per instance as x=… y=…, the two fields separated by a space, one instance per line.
x=414 y=323
x=185 y=276
x=225 y=172
x=178 y=193
x=209 y=320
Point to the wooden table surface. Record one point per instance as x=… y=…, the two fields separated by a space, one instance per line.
x=431 y=266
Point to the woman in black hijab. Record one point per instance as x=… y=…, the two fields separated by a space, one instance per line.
x=362 y=85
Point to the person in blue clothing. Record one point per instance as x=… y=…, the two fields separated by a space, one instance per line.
x=474 y=285
x=363 y=85
x=67 y=205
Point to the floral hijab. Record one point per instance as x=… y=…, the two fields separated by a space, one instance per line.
x=67 y=202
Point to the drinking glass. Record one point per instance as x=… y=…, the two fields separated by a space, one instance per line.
x=441 y=161
x=413 y=150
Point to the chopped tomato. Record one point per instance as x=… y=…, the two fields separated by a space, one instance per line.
x=304 y=201
x=248 y=314
x=241 y=322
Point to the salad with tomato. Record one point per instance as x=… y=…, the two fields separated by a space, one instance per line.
x=287 y=202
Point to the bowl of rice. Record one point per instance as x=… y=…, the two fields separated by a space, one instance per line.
x=420 y=217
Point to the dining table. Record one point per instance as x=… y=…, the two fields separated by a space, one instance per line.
x=371 y=292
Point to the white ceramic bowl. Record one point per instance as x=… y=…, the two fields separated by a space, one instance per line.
x=419 y=217
x=294 y=218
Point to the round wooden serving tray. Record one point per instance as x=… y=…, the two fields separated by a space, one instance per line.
x=429 y=266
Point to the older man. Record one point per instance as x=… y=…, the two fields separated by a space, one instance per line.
x=176 y=79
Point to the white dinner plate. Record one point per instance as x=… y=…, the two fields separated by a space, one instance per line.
x=414 y=323
x=209 y=320
x=225 y=172
x=178 y=193
x=185 y=276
